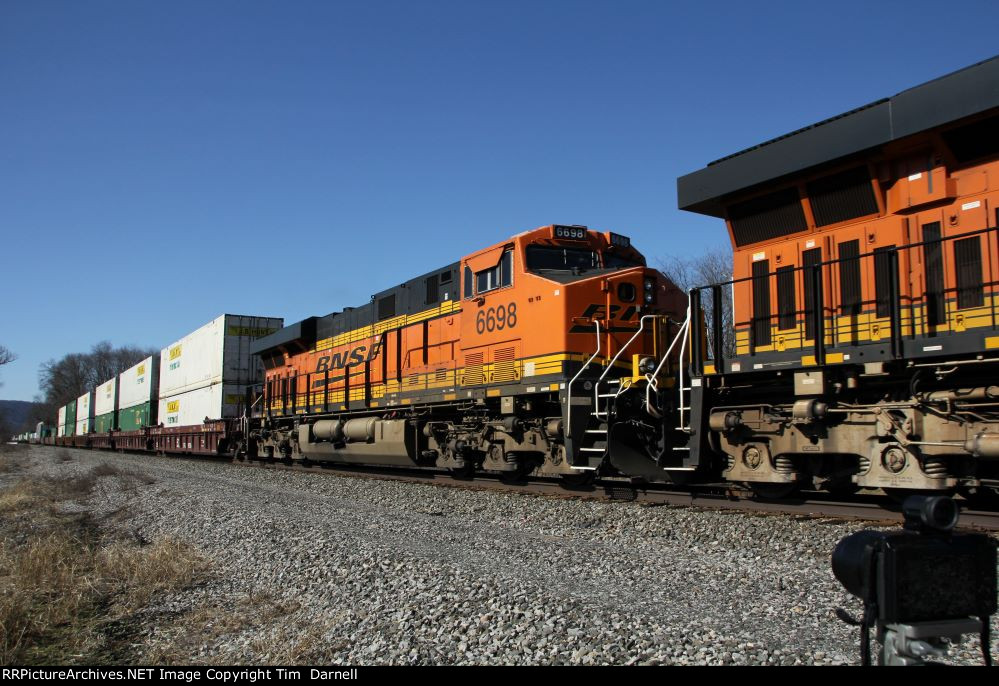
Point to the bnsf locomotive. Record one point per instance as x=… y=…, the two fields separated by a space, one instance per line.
x=865 y=346
x=546 y=353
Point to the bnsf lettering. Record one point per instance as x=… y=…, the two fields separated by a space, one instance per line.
x=347 y=359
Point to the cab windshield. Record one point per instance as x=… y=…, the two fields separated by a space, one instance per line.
x=556 y=257
x=615 y=261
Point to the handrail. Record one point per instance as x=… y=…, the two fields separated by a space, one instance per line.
x=613 y=361
x=654 y=375
x=895 y=302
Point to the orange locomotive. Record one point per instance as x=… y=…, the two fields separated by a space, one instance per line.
x=548 y=352
x=865 y=298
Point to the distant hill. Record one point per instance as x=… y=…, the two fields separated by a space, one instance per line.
x=14 y=414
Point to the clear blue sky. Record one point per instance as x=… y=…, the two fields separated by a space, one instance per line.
x=162 y=163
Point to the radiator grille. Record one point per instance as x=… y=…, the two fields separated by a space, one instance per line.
x=504 y=365
x=772 y=216
x=842 y=196
x=473 y=370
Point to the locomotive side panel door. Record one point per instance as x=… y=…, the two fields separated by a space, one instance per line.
x=847 y=296
x=972 y=266
x=929 y=283
x=882 y=242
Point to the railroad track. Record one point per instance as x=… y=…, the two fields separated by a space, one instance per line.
x=873 y=509
x=877 y=510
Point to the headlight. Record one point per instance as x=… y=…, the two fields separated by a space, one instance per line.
x=649 y=284
x=648 y=298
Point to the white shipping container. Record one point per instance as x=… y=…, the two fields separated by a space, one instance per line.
x=84 y=413
x=62 y=418
x=217 y=353
x=138 y=384
x=106 y=397
x=218 y=401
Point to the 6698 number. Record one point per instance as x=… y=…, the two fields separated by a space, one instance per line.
x=496 y=318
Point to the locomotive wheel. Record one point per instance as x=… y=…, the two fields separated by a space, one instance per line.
x=517 y=476
x=463 y=473
x=771 y=491
x=579 y=481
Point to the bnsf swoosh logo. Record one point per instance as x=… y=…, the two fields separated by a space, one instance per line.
x=599 y=312
x=350 y=358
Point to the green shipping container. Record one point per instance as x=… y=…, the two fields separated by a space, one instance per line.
x=70 y=418
x=133 y=418
x=104 y=423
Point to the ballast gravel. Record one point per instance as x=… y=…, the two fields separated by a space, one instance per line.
x=365 y=571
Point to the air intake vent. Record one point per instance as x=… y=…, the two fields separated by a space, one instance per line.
x=772 y=216
x=842 y=196
x=473 y=370
x=386 y=307
x=440 y=375
x=968 y=265
x=433 y=289
x=504 y=365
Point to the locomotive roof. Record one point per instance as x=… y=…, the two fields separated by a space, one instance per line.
x=409 y=297
x=955 y=96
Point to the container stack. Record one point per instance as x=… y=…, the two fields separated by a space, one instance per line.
x=106 y=406
x=85 y=413
x=204 y=375
x=67 y=419
x=137 y=387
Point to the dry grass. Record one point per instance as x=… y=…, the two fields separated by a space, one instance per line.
x=12 y=460
x=204 y=626
x=68 y=589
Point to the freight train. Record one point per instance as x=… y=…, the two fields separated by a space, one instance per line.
x=856 y=345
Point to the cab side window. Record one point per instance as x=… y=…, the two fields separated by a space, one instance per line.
x=495 y=277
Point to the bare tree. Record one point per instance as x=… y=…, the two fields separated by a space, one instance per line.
x=714 y=266
x=6 y=357
x=64 y=380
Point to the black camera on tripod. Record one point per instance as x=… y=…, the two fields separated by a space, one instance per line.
x=921 y=585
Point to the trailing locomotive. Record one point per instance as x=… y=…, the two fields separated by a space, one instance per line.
x=545 y=353
x=865 y=302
